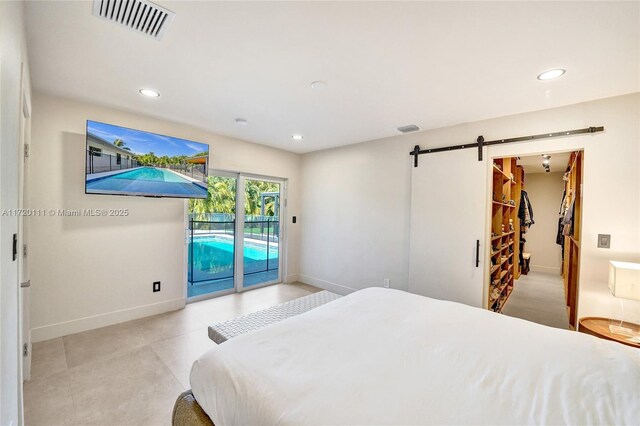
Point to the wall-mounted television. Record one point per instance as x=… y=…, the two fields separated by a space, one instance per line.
x=122 y=161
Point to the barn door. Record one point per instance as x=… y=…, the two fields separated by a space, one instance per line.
x=448 y=209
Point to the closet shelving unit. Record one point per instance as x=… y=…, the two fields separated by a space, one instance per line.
x=519 y=187
x=571 y=255
x=504 y=250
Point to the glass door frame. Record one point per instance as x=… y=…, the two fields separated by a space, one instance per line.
x=240 y=199
x=219 y=293
x=238 y=278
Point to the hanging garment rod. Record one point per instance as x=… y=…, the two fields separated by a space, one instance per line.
x=480 y=142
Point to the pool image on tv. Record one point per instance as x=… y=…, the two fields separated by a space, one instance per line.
x=123 y=161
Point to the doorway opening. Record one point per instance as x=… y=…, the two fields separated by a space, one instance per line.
x=231 y=249
x=536 y=218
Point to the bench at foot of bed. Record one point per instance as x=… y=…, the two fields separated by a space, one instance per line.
x=187 y=412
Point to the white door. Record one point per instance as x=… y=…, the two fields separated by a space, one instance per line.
x=448 y=208
x=23 y=233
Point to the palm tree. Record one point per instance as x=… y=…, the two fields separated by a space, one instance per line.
x=221 y=198
x=121 y=144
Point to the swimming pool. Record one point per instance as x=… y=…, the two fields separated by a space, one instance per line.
x=146 y=181
x=211 y=257
x=152 y=174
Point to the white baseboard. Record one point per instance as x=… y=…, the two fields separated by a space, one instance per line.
x=38 y=334
x=545 y=269
x=326 y=285
x=292 y=278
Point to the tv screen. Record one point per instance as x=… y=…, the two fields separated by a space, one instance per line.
x=122 y=161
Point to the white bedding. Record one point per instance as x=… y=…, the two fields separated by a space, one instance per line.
x=382 y=356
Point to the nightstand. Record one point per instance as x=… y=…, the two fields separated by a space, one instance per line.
x=599 y=327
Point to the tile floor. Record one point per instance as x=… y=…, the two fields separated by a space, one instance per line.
x=131 y=373
x=539 y=297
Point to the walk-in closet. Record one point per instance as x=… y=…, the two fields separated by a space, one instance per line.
x=536 y=216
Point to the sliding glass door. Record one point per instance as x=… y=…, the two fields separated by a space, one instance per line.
x=212 y=230
x=261 y=232
x=231 y=249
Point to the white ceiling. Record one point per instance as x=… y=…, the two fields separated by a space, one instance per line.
x=533 y=164
x=387 y=64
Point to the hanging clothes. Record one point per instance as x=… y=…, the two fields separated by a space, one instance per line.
x=525 y=212
x=559 y=236
x=568 y=220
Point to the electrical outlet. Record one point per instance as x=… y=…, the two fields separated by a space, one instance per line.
x=156 y=286
x=387 y=283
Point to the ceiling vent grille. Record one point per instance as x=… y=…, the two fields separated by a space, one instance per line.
x=408 y=129
x=142 y=16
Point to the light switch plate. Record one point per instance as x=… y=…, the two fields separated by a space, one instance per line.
x=604 y=241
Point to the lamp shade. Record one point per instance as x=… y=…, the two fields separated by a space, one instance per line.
x=624 y=279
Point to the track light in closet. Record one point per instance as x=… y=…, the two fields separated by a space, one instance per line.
x=545 y=162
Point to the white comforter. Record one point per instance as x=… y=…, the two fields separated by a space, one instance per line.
x=382 y=356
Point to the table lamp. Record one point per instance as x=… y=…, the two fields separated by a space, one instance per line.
x=624 y=283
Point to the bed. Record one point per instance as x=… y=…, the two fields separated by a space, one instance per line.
x=381 y=356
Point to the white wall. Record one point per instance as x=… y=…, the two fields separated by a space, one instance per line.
x=356 y=199
x=94 y=271
x=355 y=217
x=545 y=192
x=12 y=58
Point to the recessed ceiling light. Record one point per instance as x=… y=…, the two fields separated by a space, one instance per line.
x=319 y=85
x=551 y=74
x=150 y=93
x=241 y=122
x=297 y=137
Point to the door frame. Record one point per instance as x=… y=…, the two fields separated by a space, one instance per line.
x=238 y=277
x=525 y=150
x=23 y=233
x=240 y=198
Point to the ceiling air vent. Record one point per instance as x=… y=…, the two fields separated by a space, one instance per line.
x=141 y=16
x=408 y=129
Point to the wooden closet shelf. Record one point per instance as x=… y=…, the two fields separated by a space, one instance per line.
x=498 y=203
x=497 y=237
x=503 y=301
x=505 y=177
x=500 y=291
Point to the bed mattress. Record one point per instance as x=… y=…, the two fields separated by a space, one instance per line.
x=381 y=356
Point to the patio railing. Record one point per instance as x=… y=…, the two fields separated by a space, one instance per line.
x=98 y=162
x=212 y=246
x=194 y=171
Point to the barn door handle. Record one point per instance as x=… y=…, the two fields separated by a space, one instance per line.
x=477 y=253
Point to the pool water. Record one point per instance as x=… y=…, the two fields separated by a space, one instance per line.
x=151 y=174
x=146 y=181
x=212 y=258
